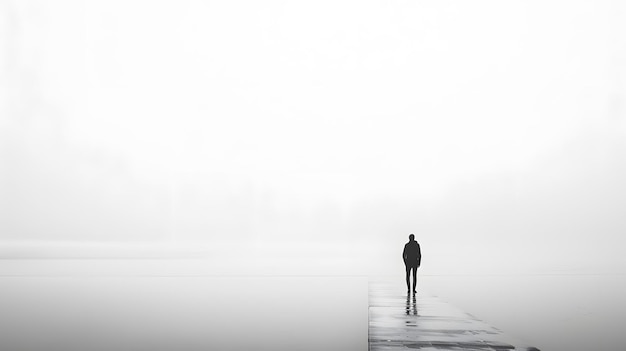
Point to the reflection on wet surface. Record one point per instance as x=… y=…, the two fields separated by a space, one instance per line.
x=411 y=306
x=395 y=324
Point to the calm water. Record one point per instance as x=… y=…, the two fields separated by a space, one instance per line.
x=552 y=312
x=92 y=304
x=85 y=313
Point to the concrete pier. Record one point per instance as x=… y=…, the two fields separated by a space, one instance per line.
x=401 y=321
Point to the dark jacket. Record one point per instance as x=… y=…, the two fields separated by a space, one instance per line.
x=412 y=255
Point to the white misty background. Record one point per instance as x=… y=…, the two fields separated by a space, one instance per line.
x=492 y=130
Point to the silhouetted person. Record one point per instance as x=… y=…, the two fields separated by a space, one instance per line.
x=412 y=256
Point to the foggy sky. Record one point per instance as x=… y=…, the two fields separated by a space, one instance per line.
x=492 y=130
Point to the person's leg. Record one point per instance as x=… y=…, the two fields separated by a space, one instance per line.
x=414 y=278
x=408 y=282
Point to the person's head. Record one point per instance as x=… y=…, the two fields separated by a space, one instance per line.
x=412 y=237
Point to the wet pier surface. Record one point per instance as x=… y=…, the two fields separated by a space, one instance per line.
x=401 y=321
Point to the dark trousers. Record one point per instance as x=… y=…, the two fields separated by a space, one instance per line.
x=409 y=268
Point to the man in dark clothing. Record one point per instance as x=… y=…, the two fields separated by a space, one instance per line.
x=412 y=256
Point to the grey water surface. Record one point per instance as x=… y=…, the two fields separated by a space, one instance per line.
x=56 y=312
x=554 y=312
